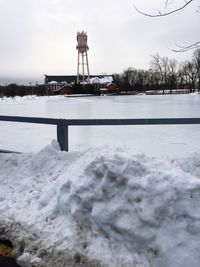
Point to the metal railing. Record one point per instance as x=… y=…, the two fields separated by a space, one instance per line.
x=63 y=124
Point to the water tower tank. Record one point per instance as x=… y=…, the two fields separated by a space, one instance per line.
x=82 y=46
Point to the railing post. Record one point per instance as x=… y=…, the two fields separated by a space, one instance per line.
x=62 y=135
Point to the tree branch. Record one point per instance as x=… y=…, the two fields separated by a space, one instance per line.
x=186 y=48
x=160 y=14
x=166 y=3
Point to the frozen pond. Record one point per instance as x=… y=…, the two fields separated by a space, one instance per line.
x=168 y=140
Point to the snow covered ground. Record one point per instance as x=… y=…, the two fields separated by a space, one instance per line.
x=100 y=208
x=111 y=206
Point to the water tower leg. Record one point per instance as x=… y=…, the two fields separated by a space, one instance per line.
x=88 y=72
x=78 y=67
x=83 y=65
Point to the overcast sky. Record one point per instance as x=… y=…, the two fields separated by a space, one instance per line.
x=39 y=36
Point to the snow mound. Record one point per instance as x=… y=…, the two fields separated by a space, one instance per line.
x=145 y=206
x=100 y=208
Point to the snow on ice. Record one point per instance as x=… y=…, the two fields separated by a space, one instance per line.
x=100 y=208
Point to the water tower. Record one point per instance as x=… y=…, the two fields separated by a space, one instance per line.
x=83 y=65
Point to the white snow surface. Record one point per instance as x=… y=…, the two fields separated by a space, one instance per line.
x=157 y=140
x=100 y=208
x=102 y=80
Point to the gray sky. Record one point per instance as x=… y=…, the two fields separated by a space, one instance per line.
x=39 y=36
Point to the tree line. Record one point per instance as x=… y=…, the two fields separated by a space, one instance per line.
x=164 y=74
x=13 y=89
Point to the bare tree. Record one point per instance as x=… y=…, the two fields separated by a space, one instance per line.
x=164 y=13
x=181 y=48
x=164 y=74
x=189 y=74
x=160 y=65
x=168 y=71
x=172 y=74
x=196 y=61
x=156 y=66
x=128 y=78
x=142 y=79
x=167 y=13
x=153 y=80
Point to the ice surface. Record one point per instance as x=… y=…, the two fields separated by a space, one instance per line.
x=169 y=140
x=100 y=208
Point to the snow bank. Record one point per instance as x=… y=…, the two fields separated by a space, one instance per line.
x=100 y=208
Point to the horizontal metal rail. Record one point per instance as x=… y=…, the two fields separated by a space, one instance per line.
x=29 y=120
x=8 y=151
x=90 y=122
x=63 y=124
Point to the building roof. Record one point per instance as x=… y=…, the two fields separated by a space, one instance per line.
x=59 y=78
x=67 y=78
x=102 y=80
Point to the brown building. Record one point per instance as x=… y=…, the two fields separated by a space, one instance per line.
x=66 y=90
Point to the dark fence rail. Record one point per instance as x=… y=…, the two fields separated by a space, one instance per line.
x=63 y=124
